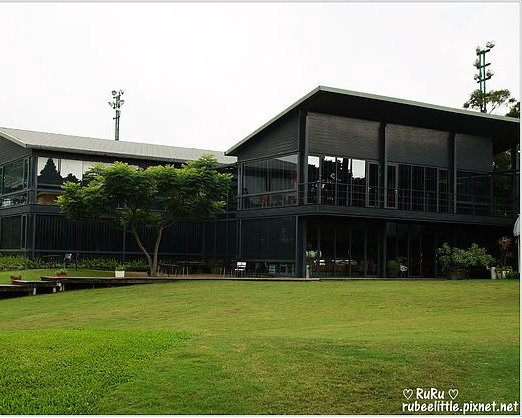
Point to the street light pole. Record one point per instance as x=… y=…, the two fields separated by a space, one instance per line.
x=483 y=75
x=116 y=104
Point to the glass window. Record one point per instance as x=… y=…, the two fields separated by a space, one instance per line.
x=313 y=179
x=48 y=172
x=328 y=176
x=343 y=176
x=417 y=193
x=391 y=186
x=373 y=184
x=14 y=176
x=270 y=183
x=71 y=170
x=404 y=187
x=13 y=200
x=431 y=189
x=443 y=191
x=359 y=183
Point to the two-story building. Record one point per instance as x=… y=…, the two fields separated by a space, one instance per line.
x=345 y=181
x=341 y=182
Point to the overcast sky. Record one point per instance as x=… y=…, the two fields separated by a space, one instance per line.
x=205 y=75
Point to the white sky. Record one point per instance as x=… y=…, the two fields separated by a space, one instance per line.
x=205 y=75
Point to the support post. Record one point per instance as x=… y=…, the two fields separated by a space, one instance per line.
x=453 y=160
x=383 y=151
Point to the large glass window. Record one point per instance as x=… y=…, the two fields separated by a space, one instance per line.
x=312 y=188
x=71 y=170
x=359 y=182
x=391 y=186
x=431 y=189
x=14 y=176
x=404 y=187
x=417 y=183
x=473 y=193
x=373 y=184
x=443 y=191
x=270 y=183
x=12 y=200
x=329 y=182
x=48 y=172
x=52 y=172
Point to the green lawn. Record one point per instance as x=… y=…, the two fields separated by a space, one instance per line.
x=202 y=347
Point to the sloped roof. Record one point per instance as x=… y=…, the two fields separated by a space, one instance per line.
x=332 y=100
x=110 y=148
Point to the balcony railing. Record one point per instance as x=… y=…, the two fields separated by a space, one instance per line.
x=351 y=195
x=363 y=196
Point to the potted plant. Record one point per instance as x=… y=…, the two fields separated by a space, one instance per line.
x=61 y=273
x=457 y=263
x=119 y=270
x=392 y=268
x=16 y=277
x=504 y=243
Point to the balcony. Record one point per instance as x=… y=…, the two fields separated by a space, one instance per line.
x=363 y=196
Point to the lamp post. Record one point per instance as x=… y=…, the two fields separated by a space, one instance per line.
x=116 y=104
x=483 y=75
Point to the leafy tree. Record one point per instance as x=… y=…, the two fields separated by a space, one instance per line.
x=493 y=100
x=514 y=109
x=152 y=198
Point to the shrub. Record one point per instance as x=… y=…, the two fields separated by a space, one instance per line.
x=392 y=268
x=453 y=259
x=513 y=275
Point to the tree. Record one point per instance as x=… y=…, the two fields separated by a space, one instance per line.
x=152 y=198
x=493 y=99
x=514 y=109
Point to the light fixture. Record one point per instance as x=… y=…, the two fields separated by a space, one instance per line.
x=490 y=44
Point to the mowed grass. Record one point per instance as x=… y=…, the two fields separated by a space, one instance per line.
x=201 y=347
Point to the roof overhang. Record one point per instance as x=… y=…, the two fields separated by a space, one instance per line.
x=505 y=131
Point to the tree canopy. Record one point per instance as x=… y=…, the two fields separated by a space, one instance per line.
x=152 y=198
x=493 y=100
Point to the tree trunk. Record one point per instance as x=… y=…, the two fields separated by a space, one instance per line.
x=143 y=250
x=156 y=250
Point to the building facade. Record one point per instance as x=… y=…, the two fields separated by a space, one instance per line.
x=339 y=183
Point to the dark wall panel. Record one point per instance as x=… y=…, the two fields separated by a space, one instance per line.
x=10 y=151
x=408 y=144
x=268 y=239
x=342 y=136
x=182 y=239
x=474 y=153
x=279 y=138
x=57 y=233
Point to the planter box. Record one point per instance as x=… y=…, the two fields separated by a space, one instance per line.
x=119 y=273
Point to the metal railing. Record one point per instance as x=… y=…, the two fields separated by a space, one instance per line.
x=353 y=195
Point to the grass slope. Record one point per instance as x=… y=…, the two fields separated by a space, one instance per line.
x=258 y=347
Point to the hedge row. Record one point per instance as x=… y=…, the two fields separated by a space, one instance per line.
x=18 y=262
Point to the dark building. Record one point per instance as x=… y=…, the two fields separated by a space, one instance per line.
x=340 y=182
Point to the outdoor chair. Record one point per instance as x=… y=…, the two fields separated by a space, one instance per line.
x=403 y=270
x=240 y=269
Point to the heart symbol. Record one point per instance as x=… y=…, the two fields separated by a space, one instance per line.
x=407 y=393
x=453 y=393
